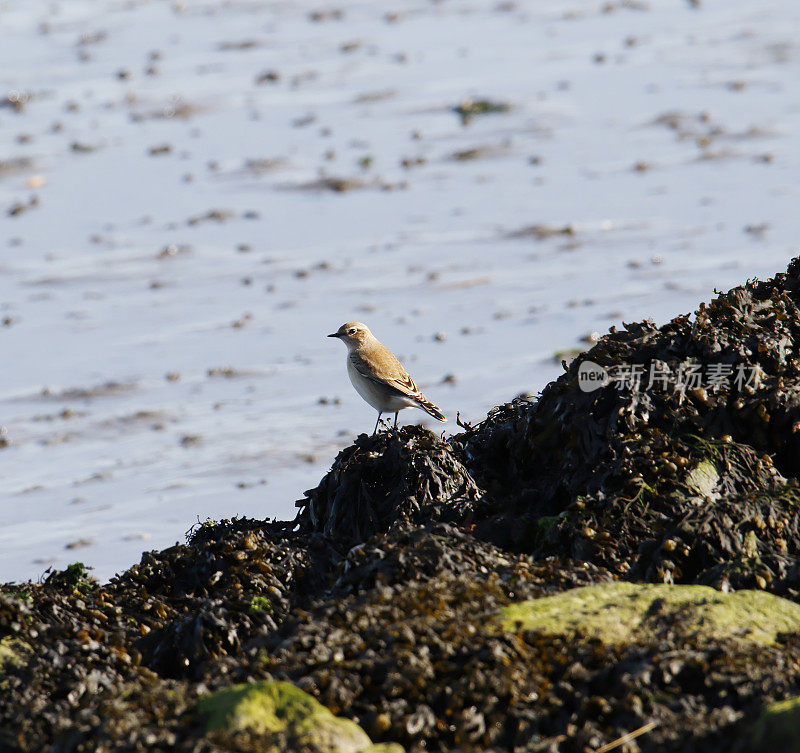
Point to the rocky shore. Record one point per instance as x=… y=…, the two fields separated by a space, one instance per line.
x=590 y=570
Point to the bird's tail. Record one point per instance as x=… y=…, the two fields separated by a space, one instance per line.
x=432 y=409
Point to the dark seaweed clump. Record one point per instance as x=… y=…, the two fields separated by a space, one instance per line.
x=604 y=439
x=610 y=475
x=408 y=475
x=379 y=598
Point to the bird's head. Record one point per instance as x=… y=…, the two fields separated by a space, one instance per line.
x=352 y=334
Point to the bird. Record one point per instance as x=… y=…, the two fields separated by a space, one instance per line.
x=378 y=376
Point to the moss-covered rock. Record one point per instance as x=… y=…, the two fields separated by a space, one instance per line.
x=279 y=708
x=778 y=728
x=619 y=613
x=13 y=653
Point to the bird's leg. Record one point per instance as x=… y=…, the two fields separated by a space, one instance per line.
x=395 y=419
x=376 y=423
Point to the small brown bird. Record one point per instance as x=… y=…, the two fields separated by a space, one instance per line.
x=378 y=376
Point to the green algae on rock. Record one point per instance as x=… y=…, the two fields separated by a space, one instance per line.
x=75 y=576
x=13 y=652
x=777 y=730
x=274 y=707
x=619 y=613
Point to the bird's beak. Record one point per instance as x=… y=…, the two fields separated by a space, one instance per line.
x=334 y=334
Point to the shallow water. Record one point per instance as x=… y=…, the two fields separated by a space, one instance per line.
x=174 y=252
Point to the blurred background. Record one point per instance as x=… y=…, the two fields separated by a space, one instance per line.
x=194 y=193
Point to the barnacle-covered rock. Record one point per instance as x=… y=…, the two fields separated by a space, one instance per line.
x=409 y=474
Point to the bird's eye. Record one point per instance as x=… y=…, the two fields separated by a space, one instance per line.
x=351 y=331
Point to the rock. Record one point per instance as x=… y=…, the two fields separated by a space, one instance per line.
x=620 y=613
x=470 y=108
x=13 y=653
x=778 y=728
x=703 y=479
x=270 y=708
